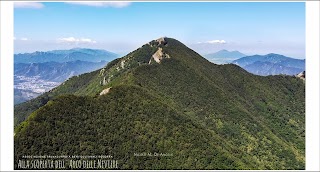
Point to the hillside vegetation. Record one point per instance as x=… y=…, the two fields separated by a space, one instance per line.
x=206 y=116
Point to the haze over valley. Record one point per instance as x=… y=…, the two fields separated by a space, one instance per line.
x=38 y=72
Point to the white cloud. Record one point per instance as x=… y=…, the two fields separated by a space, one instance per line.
x=34 y=5
x=77 y=40
x=20 y=39
x=214 y=42
x=115 y=4
x=24 y=39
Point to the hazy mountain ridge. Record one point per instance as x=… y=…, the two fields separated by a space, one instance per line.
x=208 y=116
x=54 y=71
x=224 y=56
x=75 y=54
x=41 y=71
x=271 y=64
x=268 y=68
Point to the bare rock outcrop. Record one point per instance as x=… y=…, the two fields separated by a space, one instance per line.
x=161 y=40
x=158 y=56
x=105 y=91
x=302 y=75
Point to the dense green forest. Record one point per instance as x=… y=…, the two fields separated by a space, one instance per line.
x=206 y=116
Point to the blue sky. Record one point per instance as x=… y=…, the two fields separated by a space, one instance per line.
x=206 y=27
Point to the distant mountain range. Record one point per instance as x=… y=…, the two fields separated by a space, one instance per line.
x=82 y=54
x=38 y=72
x=271 y=64
x=224 y=56
x=54 y=71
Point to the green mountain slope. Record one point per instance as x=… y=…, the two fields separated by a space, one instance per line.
x=164 y=97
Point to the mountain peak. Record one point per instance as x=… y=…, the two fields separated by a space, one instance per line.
x=228 y=51
x=161 y=40
x=154 y=52
x=224 y=50
x=274 y=55
x=224 y=56
x=158 y=42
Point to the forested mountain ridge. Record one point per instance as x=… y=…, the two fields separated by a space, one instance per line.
x=164 y=97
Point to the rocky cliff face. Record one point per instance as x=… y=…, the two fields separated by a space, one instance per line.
x=105 y=91
x=302 y=75
x=158 y=56
x=136 y=58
